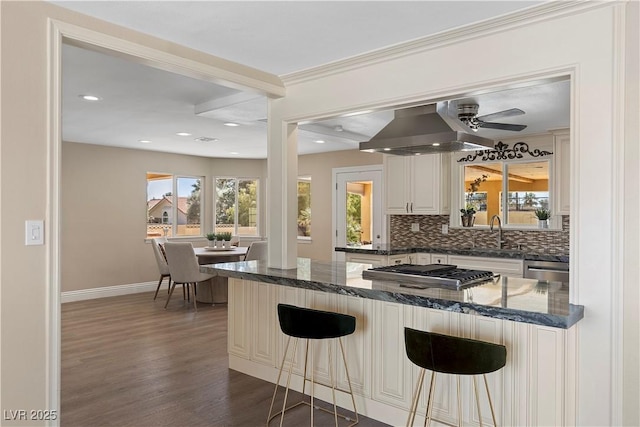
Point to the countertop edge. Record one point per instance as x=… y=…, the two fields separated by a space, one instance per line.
x=576 y=312
x=477 y=252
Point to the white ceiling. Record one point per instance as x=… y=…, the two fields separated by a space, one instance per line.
x=143 y=103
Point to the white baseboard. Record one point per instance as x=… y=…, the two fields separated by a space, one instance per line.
x=108 y=291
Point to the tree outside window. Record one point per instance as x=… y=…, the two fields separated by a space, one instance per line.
x=236 y=206
x=304 y=207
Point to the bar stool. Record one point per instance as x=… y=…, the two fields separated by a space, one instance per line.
x=298 y=322
x=451 y=355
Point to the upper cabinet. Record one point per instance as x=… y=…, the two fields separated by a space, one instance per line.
x=562 y=172
x=418 y=185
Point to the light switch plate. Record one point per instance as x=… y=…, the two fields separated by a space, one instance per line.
x=34 y=232
x=445 y=229
x=415 y=226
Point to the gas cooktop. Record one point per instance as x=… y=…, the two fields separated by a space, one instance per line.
x=431 y=275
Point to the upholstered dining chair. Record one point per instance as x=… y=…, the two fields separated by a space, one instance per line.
x=257 y=251
x=158 y=250
x=184 y=268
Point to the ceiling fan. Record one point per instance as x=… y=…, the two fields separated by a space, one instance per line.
x=468 y=114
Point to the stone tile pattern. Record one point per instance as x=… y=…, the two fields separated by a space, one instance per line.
x=430 y=234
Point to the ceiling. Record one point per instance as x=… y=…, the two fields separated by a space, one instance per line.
x=139 y=102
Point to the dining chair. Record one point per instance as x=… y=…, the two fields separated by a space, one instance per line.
x=184 y=268
x=257 y=251
x=161 y=259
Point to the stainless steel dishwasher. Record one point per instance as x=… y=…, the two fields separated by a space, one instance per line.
x=552 y=271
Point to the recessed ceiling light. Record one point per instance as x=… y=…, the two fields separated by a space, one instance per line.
x=387 y=149
x=319 y=141
x=144 y=141
x=231 y=124
x=436 y=144
x=90 y=97
x=233 y=152
x=183 y=134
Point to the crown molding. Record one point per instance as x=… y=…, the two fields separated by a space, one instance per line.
x=548 y=11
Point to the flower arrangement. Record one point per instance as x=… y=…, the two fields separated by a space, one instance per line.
x=469 y=208
x=542 y=214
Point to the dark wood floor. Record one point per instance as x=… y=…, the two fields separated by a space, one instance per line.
x=128 y=362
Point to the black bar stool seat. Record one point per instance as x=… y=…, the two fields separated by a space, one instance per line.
x=451 y=355
x=299 y=322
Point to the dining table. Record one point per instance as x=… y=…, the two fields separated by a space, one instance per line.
x=215 y=290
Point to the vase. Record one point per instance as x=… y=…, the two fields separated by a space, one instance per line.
x=543 y=223
x=212 y=243
x=468 y=220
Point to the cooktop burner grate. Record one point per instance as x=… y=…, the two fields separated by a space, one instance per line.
x=431 y=275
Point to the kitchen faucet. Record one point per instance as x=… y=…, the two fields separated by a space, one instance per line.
x=500 y=241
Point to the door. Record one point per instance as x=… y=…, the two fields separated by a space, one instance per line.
x=358 y=207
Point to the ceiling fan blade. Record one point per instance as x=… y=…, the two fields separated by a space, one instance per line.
x=500 y=114
x=501 y=126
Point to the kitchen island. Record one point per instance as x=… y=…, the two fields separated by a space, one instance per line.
x=534 y=320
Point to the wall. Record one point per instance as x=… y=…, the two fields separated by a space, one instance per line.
x=587 y=42
x=319 y=167
x=103 y=209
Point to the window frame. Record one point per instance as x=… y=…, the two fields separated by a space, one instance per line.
x=307 y=179
x=235 y=213
x=174 y=204
x=458 y=190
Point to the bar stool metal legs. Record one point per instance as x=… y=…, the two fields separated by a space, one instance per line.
x=451 y=355
x=327 y=330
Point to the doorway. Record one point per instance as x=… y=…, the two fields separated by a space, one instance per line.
x=357 y=206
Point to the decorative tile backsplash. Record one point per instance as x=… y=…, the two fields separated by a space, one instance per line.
x=430 y=234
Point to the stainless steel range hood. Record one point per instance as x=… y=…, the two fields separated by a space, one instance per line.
x=421 y=130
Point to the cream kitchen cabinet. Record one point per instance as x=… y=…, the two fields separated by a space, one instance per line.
x=562 y=170
x=417 y=185
x=377 y=260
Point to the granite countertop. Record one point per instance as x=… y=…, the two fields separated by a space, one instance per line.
x=507 y=298
x=387 y=249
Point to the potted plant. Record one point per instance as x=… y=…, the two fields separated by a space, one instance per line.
x=211 y=237
x=543 y=216
x=468 y=215
x=224 y=237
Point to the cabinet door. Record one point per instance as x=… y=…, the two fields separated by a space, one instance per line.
x=265 y=323
x=393 y=370
x=396 y=184
x=562 y=174
x=430 y=184
x=239 y=335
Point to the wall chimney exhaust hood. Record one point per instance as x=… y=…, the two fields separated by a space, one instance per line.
x=422 y=130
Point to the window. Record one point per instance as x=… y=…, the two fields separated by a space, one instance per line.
x=173 y=205
x=526 y=189
x=304 y=207
x=236 y=206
